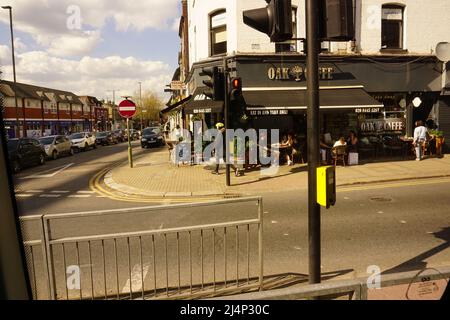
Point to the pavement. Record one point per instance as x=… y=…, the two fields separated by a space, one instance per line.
x=154 y=176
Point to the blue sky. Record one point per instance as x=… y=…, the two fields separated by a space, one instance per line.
x=116 y=45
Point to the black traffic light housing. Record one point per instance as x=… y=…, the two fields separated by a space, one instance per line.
x=215 y=83
x=275 y=20
x=235 y=88
x=336 y=20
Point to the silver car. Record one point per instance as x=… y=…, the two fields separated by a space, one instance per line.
x=56 y=146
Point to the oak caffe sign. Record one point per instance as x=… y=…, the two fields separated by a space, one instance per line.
x=382 y=126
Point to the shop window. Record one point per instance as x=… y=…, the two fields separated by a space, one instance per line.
x=392 y=27
x=218 y=33
x=291 y=45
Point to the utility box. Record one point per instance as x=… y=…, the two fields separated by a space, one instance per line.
x=326 y=186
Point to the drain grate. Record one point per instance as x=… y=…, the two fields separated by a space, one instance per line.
x=381 y=199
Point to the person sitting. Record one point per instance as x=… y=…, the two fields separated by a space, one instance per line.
x=352 y=142
x=288 y=147
x=340 y=142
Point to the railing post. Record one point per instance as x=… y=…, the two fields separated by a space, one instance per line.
x=260 y=244
x=50 y=265
x=44 y=254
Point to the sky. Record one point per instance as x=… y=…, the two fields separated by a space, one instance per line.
x=91 y=47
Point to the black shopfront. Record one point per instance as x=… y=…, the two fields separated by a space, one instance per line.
x=372 y=96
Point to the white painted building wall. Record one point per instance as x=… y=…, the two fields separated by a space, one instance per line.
x=426 y=24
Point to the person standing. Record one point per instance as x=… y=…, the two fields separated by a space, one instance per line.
x=420 y=137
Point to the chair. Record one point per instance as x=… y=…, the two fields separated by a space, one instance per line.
x=339 y=153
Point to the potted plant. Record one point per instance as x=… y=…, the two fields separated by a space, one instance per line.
x=440 y=140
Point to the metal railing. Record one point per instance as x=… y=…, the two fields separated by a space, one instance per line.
x=356 y=289
x=180 y=262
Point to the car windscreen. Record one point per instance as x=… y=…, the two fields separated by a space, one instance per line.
x=46 y=141
x=12 y=145
x=151 y=131
x=76 y=136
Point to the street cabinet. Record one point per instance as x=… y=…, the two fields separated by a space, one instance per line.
x=326 y=186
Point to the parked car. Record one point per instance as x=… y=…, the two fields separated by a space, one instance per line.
x=105 y=138
x=152 y=137
x=134 y=134
x=55 y=146
x=25 y=152
x=83 y=141
x=120 y=135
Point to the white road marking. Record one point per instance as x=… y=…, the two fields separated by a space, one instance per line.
x=35 y=191
x=297 y=248
x=24 y=195
x=86 y=192
x=79 y=196
x=51 y=175
x=274 y=222
x=380 y=212
x=62 y=192
x=136 y=278
x=49 y=196
x=403 y=222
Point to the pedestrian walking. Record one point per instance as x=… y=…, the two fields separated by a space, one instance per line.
x=221 y=127
x=420 y=138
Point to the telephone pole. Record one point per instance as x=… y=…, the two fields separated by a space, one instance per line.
x=114 y=106
x=142 y=107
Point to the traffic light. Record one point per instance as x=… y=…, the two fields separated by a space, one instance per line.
x=235 y=88
x=336 y=20
x=215 y=83
x=275 y=20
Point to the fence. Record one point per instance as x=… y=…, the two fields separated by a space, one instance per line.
x=358 y=289
x=114 y=255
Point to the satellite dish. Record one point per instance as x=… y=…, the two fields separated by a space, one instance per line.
x=443 y=51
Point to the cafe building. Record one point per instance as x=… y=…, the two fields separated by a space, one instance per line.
x=380 y=98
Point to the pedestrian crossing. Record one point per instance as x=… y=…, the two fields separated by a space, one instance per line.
x=56 y=194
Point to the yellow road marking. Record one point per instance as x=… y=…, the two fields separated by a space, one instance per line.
x=395 y=185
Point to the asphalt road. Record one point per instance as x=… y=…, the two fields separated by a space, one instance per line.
x=396 y=226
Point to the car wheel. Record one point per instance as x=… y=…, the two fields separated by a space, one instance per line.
x=41 y=159
x=86 y=147
x=72 y=152
x=54 y=155
x=16 y=166
x=95 y=145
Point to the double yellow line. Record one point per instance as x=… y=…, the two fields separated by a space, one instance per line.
x=96 y=186
x=400 y=184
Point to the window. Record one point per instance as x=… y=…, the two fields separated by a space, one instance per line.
x=289 y=46
x=218 y=33
x=392 y=27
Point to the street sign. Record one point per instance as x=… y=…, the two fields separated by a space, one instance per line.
x=177 y=85
x=127 y=109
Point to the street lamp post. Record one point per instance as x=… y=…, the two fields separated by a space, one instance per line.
x=114 y=107
x=140 y=103
x=14 y=72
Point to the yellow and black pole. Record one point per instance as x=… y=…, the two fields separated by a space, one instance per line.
x=130 y=148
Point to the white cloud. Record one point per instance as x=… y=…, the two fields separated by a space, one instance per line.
x=89 y=76
x=53 y=21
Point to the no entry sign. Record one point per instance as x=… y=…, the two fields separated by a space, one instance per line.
x=127 y=109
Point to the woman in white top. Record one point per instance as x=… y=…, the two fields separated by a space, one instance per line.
x=420 y=137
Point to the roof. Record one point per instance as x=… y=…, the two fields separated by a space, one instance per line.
x=28 y=91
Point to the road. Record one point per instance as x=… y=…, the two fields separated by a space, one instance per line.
x=395 y=226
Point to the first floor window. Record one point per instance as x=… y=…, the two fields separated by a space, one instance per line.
x=218 y=31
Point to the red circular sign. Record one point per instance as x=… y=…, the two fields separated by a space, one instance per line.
x=127 y=109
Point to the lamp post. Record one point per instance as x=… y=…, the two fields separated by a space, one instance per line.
x=14 y=71
x=114 y=107
x=140 y=103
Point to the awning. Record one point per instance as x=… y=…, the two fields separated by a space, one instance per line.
x=201 y=104
x=175 y=105
x=355 y=98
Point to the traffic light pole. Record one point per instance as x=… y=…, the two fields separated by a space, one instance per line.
x=227 y=122
x=312 y=32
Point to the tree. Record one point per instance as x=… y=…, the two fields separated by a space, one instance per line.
x=149 y=109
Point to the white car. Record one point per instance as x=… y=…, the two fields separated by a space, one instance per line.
x=83 y=141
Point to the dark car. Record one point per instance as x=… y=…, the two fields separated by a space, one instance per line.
x=120 y=135
x=25 y=152
x=152 y=137
x=105 y=138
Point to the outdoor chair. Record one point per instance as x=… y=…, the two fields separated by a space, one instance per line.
x=339 y=154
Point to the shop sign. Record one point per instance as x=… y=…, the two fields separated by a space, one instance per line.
x=177 y=85
x=380 y=126
x=202 y=111
x=368 y=110
x=298 y=73
x=269 y=112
